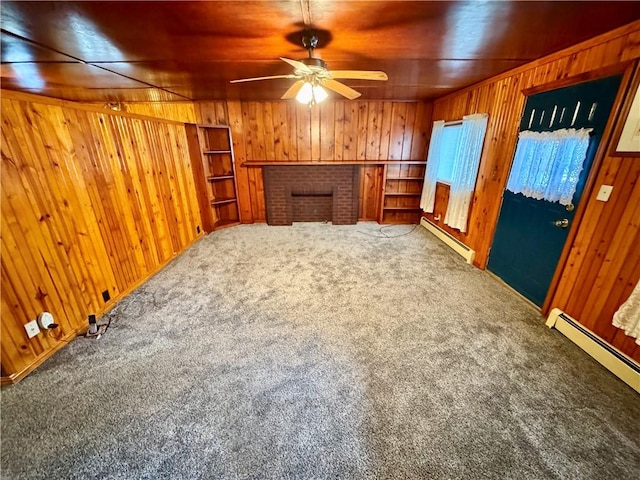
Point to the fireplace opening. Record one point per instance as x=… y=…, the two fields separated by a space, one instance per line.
x=311 y=207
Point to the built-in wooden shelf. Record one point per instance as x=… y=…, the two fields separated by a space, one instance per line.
x=405 y=178
x=223 y=201
x=215 y=178
x=210 y=148
x=403 y=194
x=407 y=209
x=226 y=223
x=396 y=204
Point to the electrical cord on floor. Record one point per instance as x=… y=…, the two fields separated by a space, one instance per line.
x=51 y=333
x=384 y=235
x=101 y=330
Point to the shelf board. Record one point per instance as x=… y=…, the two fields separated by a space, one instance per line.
x=223 y=201
x=400 y=194
x=405 y=178
x=213 y=152
x=214 y=178
x=407 y=209
x=226 y=223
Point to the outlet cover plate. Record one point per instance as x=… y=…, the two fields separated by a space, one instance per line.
x=604 y=193
x=32 y=328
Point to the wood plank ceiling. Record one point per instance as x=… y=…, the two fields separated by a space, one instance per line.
x=173 y=51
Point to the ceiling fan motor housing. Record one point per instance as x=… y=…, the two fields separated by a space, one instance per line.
x=314 y=62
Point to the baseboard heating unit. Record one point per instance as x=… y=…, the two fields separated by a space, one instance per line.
x=459 y=247
x=622 y=366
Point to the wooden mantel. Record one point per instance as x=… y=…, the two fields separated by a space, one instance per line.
x=262 y=163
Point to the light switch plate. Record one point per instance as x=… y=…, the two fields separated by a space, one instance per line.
x=604 y=193
x=32 y=328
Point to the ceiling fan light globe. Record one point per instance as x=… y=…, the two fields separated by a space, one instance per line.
x=305 y=95
x=319 y=93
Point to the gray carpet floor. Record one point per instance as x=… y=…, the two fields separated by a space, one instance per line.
x=315 y=352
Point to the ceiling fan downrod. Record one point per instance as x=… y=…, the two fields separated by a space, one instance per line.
x=310 y=42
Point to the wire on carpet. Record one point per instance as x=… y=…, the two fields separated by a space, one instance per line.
x=382 y=233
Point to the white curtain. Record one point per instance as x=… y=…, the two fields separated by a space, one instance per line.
x=433 y=162
x=465 y=170
x=628 y=315
x=547 y=165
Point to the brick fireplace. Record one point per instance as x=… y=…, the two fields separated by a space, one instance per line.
x=311 y=193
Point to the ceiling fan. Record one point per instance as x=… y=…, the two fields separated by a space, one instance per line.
x=312 y=75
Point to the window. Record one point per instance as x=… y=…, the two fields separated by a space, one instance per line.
x=458 y=147
x=450 y=141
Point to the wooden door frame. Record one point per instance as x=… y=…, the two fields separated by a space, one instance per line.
x=629 y=71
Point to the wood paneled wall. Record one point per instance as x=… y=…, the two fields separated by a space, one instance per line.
x=503 y=99
x=604 y=261
x=92 y=201
x=334 y=131
x=602 y=266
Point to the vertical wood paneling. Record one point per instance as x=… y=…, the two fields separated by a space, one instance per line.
x=333 y=131
x=373 y=132
x=385 y=131
x=91 y=201
x=339 y=131
x=604 y=262
x=602 y=266
x=363 y=130
x=327 y=131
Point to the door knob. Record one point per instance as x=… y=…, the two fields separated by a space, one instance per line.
x=564 y=223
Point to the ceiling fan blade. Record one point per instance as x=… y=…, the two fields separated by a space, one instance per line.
x=359 y=74
x=340 y=88
x=262 y=78
x=293 y=90
x=297 y=65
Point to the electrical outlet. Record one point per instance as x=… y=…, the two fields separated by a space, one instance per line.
x=32 y=328
x=604 y=193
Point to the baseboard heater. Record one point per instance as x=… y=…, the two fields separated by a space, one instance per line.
x=622 y=366
x=459 y=247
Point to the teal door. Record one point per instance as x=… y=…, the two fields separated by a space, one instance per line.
x=531 y=233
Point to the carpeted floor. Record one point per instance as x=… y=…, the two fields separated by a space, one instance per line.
x=315 y=352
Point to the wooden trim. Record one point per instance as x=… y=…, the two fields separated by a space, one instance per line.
x=264 y=163
x=634 y=85
x=619 y=68
x=589 y=186
x=30 y=97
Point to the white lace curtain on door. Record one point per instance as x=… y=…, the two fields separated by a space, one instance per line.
x=547 y=165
